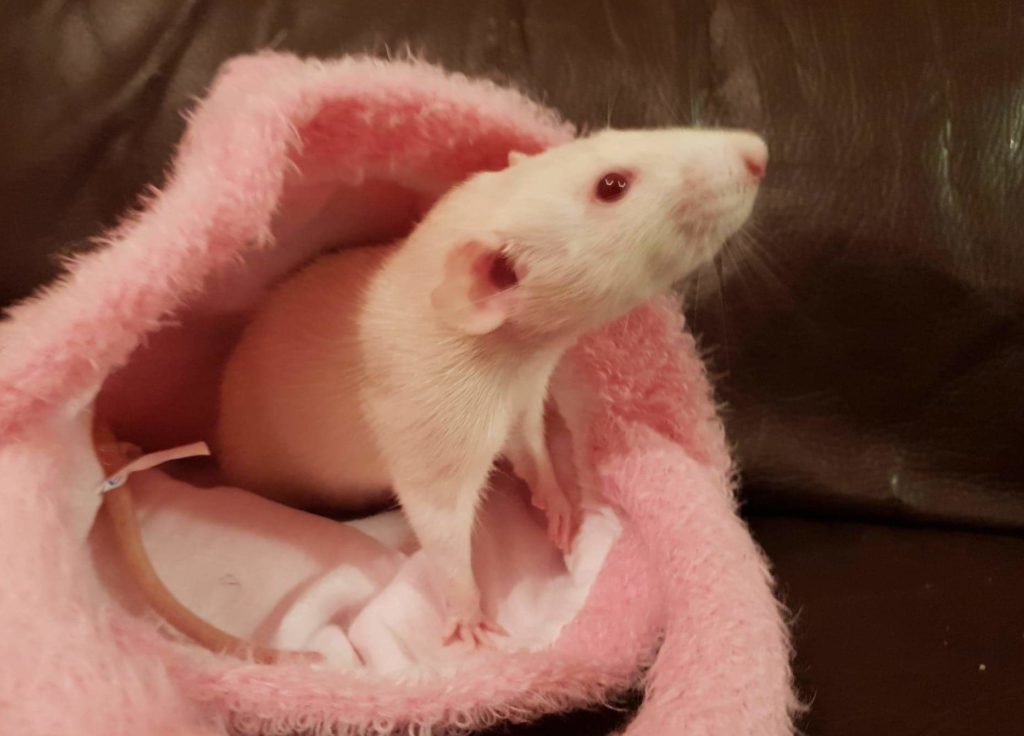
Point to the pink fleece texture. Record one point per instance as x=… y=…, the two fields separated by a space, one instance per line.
x=260 y=183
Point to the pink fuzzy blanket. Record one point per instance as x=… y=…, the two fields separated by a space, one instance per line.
x=285 y=159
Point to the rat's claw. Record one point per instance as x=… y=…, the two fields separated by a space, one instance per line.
x=494 y=628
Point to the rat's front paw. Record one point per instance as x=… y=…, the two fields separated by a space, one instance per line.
x=467 y=622
x=561 y=512
x=474 y=629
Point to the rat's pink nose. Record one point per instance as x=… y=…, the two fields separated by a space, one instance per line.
x=755 y=165
x=754 y=153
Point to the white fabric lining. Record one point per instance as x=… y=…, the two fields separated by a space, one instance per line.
x=359 y=592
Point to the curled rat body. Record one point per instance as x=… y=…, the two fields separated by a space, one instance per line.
x=411 y=367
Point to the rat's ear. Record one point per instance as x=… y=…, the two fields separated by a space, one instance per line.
x=477 y=292
x=515 y=157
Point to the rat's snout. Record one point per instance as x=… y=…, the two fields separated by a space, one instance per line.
x=717 y=202
x=753 y=152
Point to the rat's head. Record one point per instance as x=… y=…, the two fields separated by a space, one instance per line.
x=569 y=238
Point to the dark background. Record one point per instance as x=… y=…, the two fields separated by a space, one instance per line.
x=866 y=336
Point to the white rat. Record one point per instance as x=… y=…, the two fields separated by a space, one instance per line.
x=410 y=368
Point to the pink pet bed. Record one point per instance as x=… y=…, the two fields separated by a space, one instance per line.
x=285 y=159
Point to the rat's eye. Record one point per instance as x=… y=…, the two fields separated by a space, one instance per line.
x=612 y=186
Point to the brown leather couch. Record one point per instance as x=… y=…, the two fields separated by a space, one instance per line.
x=867 y=338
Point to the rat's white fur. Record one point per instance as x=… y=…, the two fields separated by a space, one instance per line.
x=407 y=367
